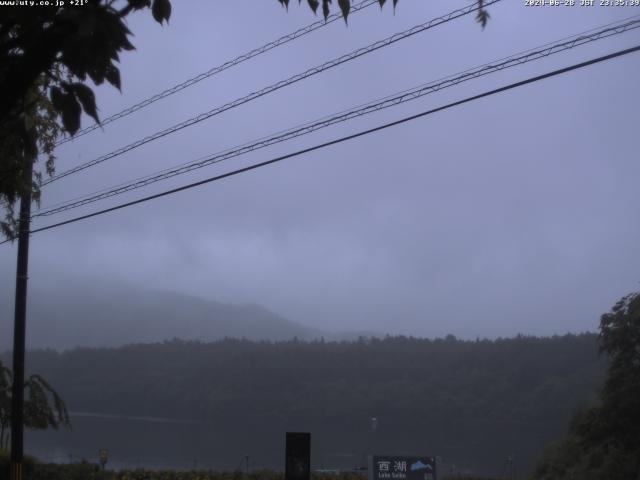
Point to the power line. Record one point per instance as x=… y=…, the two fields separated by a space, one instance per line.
x=574 y=40
x=345 y=138
x=345 y=115
x=405 y=96
x=277 y=86
x=219 y=68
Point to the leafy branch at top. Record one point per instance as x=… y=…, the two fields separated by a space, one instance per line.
x=345 y=7
x=47 y=56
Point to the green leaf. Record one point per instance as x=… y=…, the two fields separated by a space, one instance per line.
x=139 y=4
x=87 y=27
x=161 y=10
x=87 y=99
x=70 y=113
x=57 y=98
x=112 y=74
x=482 y=17
x=325 y=8
x=345 y=6
x=314 y=5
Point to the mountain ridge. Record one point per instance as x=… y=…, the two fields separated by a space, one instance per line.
x=110 y=315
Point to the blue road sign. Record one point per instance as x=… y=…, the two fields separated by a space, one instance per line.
x=394 y=467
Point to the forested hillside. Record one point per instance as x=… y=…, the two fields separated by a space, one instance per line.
x=473 y=403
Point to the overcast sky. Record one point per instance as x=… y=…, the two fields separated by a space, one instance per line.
x=518 y=213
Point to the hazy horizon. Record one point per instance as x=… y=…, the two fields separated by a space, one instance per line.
x=114 y=315
x=513 y=214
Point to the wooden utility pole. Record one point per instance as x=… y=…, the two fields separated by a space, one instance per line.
x=17 y=393
x=19 y=331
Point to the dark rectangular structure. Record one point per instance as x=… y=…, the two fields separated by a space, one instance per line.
x=298 y=456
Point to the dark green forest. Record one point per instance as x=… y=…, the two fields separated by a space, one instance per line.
x=472 y=403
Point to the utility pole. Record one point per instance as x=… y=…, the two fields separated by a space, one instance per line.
x=19 y=331
x=30 y=153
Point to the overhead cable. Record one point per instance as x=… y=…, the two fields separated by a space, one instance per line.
x=277 y=86
x=342 y=139
x=403 y=97
x=218 y=69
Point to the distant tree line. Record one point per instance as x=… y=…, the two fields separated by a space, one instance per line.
x=474 y=400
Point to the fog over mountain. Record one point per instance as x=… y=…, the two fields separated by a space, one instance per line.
x=106 y=314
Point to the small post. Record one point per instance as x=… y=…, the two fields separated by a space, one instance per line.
x=103 y=455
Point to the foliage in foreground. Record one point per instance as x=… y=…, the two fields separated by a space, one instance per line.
x=43 y=407
x=28 y=464
x=604 y=441
x=88 y=471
